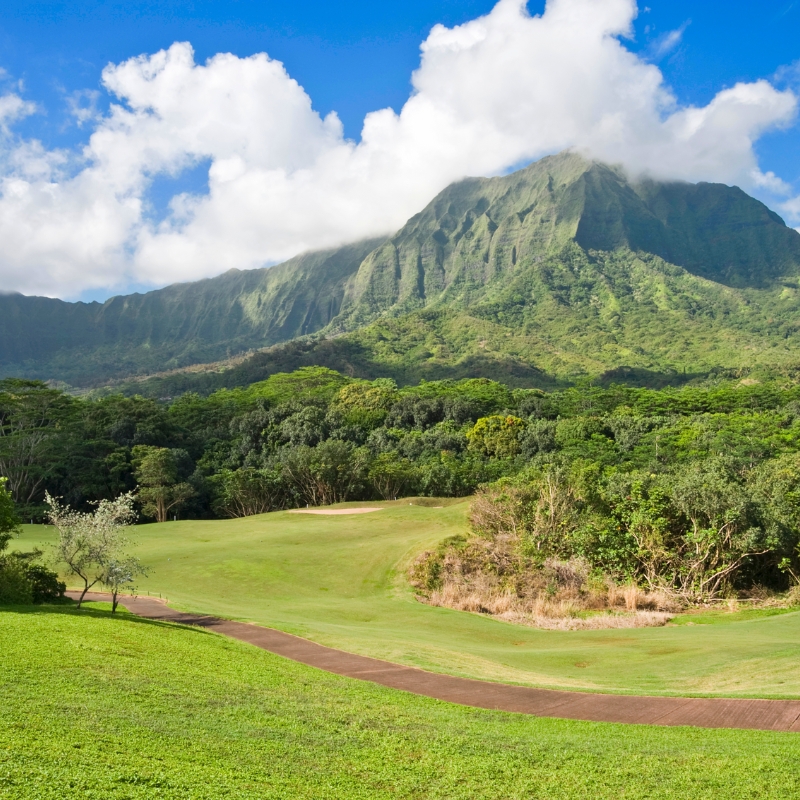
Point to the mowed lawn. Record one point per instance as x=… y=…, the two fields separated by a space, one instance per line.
x=340 y=580
x=118 y=707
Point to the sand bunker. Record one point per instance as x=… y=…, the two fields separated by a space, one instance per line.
x=334 y=511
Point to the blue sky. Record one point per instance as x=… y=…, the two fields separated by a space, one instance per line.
x=356 y=57
x=352 y=58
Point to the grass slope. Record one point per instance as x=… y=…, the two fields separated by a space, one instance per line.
x=340 y=580
x=95 y=706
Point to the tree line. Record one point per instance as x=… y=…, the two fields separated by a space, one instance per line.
x=694 y=486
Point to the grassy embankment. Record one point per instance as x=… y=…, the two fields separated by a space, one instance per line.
x=340 y=580
x=119 y=707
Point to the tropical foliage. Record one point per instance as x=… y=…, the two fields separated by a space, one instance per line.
x=22 y=578
x=694 y=490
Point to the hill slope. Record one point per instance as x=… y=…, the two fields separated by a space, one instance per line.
x=568 y=267
x=480 y=233
x=182 y=324
x=562 y=269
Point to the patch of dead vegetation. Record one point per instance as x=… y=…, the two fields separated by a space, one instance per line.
x=565 y=614
x=491 y=577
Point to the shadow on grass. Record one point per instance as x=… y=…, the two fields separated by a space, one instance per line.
x=96 y=610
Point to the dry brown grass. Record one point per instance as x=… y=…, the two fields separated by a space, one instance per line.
x=639 y=619
x=793 y=598
x=566 y=604
x=563 y=614
x=491 y=574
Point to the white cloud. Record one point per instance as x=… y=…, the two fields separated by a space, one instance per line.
x=499 y=90
x=83 y=106
x=12 y=109
x=666 y=43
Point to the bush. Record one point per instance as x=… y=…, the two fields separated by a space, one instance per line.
x=16 y=587
x=45 y=585
x=23 y=583
x=793 y=597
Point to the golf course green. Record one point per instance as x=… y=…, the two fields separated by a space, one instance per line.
x=341 y=581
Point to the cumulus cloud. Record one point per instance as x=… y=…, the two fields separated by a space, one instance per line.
x=497 y=91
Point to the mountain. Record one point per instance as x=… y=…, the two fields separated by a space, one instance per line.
x=480 y=233
x=564 y=269
x=180 y=325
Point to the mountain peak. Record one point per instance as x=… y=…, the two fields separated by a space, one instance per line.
x=483 y=230
x=568 y=249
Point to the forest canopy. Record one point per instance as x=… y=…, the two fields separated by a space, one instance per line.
x=697 y=486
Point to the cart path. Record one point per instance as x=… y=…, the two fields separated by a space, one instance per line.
x=771 y=715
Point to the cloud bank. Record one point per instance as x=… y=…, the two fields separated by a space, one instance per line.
x=490 y=94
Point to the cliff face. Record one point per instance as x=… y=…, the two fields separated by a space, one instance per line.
x=577 y=265
x=480 y=233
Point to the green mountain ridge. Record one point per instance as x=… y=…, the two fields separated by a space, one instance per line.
x=564 y=269
x=177 y=326
x=480 y=233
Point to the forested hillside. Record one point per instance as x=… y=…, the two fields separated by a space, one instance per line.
x=189 y=323
x=562 y=270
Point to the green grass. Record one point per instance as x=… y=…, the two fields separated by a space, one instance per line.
x=118 y=707
x=723 y=617
x=341 y=581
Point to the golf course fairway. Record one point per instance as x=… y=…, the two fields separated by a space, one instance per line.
x=103 y=706
x=341 y=581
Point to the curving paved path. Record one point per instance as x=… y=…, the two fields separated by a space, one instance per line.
x=771 y=715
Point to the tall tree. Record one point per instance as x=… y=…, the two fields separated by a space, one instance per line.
x=248 y=491
x=160 y=487
x=8 y=515
x=31 y=414
x=14 y=584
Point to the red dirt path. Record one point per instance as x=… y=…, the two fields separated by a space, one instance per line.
x=772 y=715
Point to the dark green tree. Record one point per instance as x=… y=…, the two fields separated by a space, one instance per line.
x=161 y=489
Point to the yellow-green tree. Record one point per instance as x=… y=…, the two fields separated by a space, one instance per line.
x=496 y=436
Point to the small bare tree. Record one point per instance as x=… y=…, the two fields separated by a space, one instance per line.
x=119 y=574
x=89 y=542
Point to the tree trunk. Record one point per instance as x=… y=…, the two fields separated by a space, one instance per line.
x=86 y=587
x=83 y=593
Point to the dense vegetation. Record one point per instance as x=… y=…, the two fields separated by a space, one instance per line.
x=23 y=580
x=689 y=489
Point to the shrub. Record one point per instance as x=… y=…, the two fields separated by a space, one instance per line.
x=23 y=581
x=793 y=597
x=45 y=585
x=16 y=587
